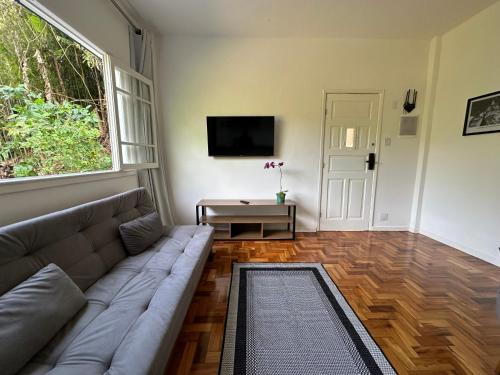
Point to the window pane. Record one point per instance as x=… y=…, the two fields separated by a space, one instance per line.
x=125 y=117
x=138 y=123
x=145 y=93
x=136 y=86
x=123 y=80
x=148 y=123
x=350 y=137
x=131 y=84
x=53 y=113
x=135 y=120
x=138 y=154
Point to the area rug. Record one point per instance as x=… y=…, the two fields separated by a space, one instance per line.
x=290 y=318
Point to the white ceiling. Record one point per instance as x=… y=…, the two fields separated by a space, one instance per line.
x=421 y=19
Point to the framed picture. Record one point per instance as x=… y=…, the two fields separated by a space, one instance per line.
x=483 y=114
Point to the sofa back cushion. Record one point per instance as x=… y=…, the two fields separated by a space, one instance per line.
x=139 y=234
x=84 y=241
x=33 y=312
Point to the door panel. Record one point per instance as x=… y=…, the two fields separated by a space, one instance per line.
x=335 y=137
x=355 y=108
x=356 y=193
x=335 y=198
x=351 y=131
x=347 y=163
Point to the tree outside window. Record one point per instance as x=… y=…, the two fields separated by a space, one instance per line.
x=53 y=112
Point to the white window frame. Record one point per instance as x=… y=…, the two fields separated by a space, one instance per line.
x=118 y=168
x=111 y=64
x=11 y=185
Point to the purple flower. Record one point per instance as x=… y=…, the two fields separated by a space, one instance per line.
x=272 y=164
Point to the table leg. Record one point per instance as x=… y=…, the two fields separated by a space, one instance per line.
x=203 y=212
x=288 y=225
x=294 y=218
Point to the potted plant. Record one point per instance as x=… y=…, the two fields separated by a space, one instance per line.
x=281 y=195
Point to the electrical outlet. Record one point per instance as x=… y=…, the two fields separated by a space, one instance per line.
x=384 y=216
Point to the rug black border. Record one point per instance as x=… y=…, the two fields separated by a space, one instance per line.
x=240 y=341
x=227 y=314
x=363 y=324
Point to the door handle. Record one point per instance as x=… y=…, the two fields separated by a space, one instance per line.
x=371 y=161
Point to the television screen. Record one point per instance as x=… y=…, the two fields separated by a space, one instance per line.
x=240 y=135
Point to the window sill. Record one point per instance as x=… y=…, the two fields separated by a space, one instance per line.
x=15 y=185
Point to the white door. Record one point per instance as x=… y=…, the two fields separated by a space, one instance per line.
x=350 y=135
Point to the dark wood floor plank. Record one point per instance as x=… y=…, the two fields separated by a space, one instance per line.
x=431 y=308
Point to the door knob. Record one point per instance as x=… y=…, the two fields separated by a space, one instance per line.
x=371 y=161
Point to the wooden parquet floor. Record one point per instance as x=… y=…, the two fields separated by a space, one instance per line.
x=431 y=308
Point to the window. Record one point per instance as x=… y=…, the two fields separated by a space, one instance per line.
x=136 y=136
x=350 y=137
x=61 y=109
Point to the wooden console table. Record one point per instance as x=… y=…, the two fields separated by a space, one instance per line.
x=249 y=227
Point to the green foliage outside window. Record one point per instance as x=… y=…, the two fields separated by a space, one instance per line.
x=47 y=138
x=53 y=115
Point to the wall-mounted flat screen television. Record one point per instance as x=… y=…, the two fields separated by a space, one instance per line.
x=240 y=135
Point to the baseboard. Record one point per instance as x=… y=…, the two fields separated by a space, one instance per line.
x=381 y=228
x=305 y=229
x=375 y=229
x=413 y=229
x=466 y=249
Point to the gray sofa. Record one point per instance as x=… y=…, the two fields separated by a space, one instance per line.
x=136 y=304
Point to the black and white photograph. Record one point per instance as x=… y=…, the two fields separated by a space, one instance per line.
x=483 y=114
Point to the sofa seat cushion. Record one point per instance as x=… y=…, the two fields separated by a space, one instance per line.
x=122 y=328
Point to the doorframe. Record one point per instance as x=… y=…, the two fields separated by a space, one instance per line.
x=324 y=95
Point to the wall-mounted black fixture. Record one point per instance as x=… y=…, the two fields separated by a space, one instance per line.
x=411 y=101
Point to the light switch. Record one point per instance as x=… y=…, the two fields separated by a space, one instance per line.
x=387 y=141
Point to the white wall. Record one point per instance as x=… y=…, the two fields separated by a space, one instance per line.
x=285 y=78
x=461 y=201
x=103 y=25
